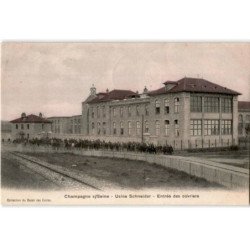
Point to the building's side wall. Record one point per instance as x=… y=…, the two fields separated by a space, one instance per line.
x=29 y=130
x=137 y=131
x=243 y=122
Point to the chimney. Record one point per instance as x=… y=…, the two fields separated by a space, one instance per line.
x=107 y=90
x=93 y=90
x=23 y=115
x=40 y=115
x=145 y=90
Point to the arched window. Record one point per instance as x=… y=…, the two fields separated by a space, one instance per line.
x=166 y=123
x=129 y=128
x=176 y=128
x=146 y=110
x=16 y=126
x=98 y=128
x=121 y=111
x=166 y=106
x=104 y=128
x=129 y=110
x=114 y=111
x=176 y=104
x=103 y=112
x=157 y=128
x=122 y=128
x=157 y=107
x=146 y=127
x=98 y=111
x=93 y=127
x=240 y=125
x=138 y=128
x=114 y=128
x=240 y=118
x=137 y=110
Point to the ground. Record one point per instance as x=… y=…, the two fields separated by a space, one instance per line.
x=15 y=175
x=127 y=174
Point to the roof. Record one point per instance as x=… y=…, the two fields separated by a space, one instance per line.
x=31 y=119
x=244 y=105
x=197 y=85
x=116 y=94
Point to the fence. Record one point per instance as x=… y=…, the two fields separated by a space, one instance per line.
x=229 y=176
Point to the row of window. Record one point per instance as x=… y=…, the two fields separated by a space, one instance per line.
x=22 y=126
x=211 y=104
x=211 y=127
x=138 y=110
x=241 y=118
x=102 y=129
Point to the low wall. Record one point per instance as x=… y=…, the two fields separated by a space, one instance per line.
x=228 y=176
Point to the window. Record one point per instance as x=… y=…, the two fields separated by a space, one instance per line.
x=28 y=126
x=114 y=111
x=211 y=104
x=176 y=104
x=146 y=127
x=104 y=128
x=114 y=128
x=157 y=107
x=176 y=128
x=98 y=128
x=21 y=126
x=166 y=123
x=137 y=110
x=129 y=110
x=195 y=127
x=122 y=128
x=211 y=127
x=42 y=126
x=129 y=128
x=103 y=112
x=121 y=111
x=138 y=128
x=240 y=126
x=226 y=105
x=98 y=111
x=247 y=118
x=196 y=104
x=92 y=112
x=16 y=126
x=157 y=128
x=166 y=106
x=226 y=127
x=93 y=127
x=146 y=110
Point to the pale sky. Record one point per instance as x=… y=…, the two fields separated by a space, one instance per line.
x=54 y=78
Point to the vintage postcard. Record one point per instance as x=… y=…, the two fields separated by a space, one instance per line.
x=152 y=123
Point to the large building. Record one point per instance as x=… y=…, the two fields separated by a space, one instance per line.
x=244 y=118
x=188 y=113
x=66 y=125
x=30 y=126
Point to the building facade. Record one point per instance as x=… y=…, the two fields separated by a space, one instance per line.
x=66 y=125
x=30 y=126
x=244 y=118
x=189 y=113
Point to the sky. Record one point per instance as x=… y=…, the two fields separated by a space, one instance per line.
x=54 y=78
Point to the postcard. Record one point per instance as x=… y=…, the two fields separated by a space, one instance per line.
x=133 y=123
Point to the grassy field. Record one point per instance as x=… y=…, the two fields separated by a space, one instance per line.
x=126 y=173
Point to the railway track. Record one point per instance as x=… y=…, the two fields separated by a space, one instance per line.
x=60 y=177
